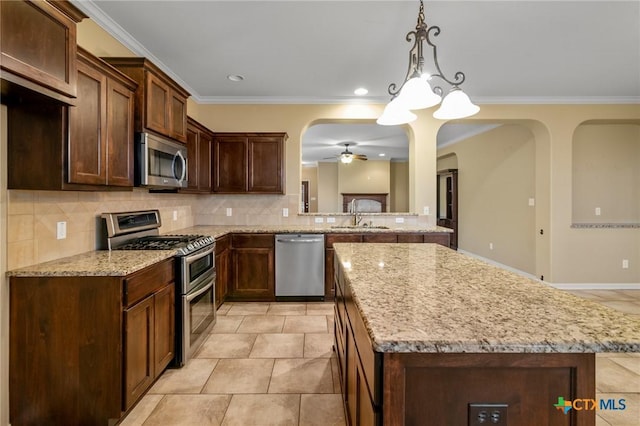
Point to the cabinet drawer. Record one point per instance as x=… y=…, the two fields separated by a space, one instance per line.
x=253 y=241
x=148 y=281
x=410 y=238
x=342 y=238
x=223 y=244
x=380 y=238
x=437 y=238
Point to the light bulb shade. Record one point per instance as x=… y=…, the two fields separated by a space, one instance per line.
x=395 y=114
x=417 y=94
x=346 y=158
x=456 y=105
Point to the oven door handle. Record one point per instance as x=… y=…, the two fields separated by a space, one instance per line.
x=198 y=255
x=204 y=289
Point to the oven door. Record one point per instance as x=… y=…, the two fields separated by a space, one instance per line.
x=198 y=314
x=196 y=268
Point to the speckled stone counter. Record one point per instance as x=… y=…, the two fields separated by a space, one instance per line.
x=219 y=231
x=97 y=263
x=427 y=298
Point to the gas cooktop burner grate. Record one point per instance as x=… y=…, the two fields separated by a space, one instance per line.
x=185 y=243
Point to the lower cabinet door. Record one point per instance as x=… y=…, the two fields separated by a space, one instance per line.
x=138 y=350
x=164 y=328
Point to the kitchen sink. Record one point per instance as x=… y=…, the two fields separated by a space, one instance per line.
x=359 y=227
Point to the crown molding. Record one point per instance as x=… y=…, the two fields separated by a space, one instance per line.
x=112 y=27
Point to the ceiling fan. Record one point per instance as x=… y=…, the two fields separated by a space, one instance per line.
x=347 y=156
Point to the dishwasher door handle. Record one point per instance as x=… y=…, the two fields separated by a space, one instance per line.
x=301 y=240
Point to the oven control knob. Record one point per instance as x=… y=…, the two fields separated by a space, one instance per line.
x=190 y=247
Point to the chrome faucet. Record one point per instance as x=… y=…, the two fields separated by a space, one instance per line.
x=354 y=211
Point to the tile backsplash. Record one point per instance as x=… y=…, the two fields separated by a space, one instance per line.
x=33 y=217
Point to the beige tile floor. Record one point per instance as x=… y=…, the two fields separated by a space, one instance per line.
x=272 y=364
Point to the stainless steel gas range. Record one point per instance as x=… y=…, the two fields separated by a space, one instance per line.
x=195 y=272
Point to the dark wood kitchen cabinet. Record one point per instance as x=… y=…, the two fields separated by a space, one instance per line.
x=101 y=125
x=161 y=104
x=252 y=267
x=249 y=163
x=38 y=48
x=200 y=155
x=223 y=265
x=85 y=147
x=83 y=349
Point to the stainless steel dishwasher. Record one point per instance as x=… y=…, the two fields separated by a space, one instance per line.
x=299 y=265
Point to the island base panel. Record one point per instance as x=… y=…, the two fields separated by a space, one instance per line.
x=441 y=387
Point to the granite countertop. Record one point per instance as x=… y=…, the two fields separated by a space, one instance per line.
x=428 y=298
x=218 y=231
x=121 y=263
x=96 y=263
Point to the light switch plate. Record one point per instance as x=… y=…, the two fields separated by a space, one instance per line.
x=319 y=220
x=598 y=211
x=399 y=219
x=625 y=263
x=229 y=211
x=532 y=202
x=331 y=220
x=285 y=212
x=175 y=215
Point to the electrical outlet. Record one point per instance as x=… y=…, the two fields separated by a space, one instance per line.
x=625 y=263
x=488 y=414
x=175 y=215
x=598 y=211
x=425 y=210
x=318 y=220
x=490 y=246
x=331 y=220
x=285 y=212
x=399 y=219
x=61 y=230
x=229 y=211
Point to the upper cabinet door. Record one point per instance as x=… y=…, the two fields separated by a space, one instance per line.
x=230 y=169
x=119 y=134
x=178 y=117
x=39 y=46
x=265 y=164
x=158 y=97
x=87 y=128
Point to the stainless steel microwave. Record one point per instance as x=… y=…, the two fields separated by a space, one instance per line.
x=160 y=163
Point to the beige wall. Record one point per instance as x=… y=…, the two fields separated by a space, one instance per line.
x=329 y=200
x=399 y=195
x=606 y=173
x=310 y=174
x=368 y=177
x=496 y=178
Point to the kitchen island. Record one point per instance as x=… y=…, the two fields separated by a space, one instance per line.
x=425 y=335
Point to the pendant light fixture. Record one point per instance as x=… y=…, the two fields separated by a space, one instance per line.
x=417 y=93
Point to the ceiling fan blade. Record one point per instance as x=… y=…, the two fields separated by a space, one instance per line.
x=359 y=157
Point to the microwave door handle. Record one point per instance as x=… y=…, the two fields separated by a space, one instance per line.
x=184 y=165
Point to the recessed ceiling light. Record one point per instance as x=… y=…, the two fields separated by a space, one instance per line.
x=382 y=154
x=235 y=77
x=360 y=91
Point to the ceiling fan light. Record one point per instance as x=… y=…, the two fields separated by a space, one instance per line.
x=346 y=158
x=456 y=105
x=395 y=114
x=417 y=94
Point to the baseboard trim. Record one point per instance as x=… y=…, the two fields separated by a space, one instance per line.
x=596 y=286
x=560 y=286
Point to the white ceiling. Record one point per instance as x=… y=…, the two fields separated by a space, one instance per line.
x=320 y=51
